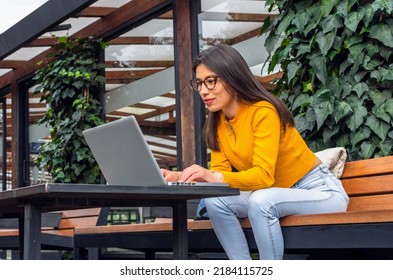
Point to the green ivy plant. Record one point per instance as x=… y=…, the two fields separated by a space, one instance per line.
x=69 y=85
x=337 y=63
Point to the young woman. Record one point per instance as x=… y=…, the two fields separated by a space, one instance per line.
x=255 y=147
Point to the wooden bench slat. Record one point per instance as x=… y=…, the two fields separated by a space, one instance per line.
x=78 y=222
x=15 y=232
x=369 y=185
x=94 y=212
x=62 y=232
x=61 y=235
x=9 y=232
x=372 y=202
x=167 y=226
x=352 y=217
x=368 y=167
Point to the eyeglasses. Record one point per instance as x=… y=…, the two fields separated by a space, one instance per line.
x=209 y=82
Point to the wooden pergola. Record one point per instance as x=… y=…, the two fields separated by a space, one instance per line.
x=175 y=138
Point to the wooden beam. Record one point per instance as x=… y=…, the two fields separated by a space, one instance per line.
x=140 y=64
x=117 y=18
x=140 y=40
x=95 y=12
x=127 y=76
x=42 y=42
x=47 y=16
x=10 y=63
x=157 y=112
x=111 y=21
x=245 y=36
x=15 y=171
x=238 y=17
x=161 y=145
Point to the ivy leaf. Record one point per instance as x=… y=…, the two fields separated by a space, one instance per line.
x=285 y=22
x=378 y=126
x=302 y=49
x=379 y=98
x=266 y=26
x=359 y=135
x=342 y=140
x=356 y=51
x=328 y=5
x=353 y=19
x=329 y=133
x=301 y=101
x=325 y=41
x=318 y=62
x=342 y=110
x=323 y=107
x=389 y=107
x=342 y=8
x=322 y=111
x=316 y=145
x=386 y=5
x=360 y=88
x=386 y=147
x=307 y=86
x=357 y=119
x=335 y=85
x=270 y=42
x=382 y=33
x=305 y=122
x=367 y=149
x=77 y=168
x=380 y=113
x=301 y=20
x=331 y=22
x=292 y=68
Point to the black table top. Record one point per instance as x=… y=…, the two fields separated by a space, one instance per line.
x=55 y=196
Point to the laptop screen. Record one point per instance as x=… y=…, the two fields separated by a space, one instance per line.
x=124 y=156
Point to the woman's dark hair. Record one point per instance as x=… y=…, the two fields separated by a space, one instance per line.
x=230 y=66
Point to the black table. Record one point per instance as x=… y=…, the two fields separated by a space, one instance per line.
x=29 y=202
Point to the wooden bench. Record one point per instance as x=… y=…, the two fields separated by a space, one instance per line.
x=9 y=232
x=364 y=231
x=57 y=231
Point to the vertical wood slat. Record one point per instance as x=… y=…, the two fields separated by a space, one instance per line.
x=184 y=74
x=14 y=135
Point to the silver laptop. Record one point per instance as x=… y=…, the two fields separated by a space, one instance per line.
x=124 y=156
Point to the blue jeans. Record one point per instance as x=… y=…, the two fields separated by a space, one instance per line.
x=319 y=191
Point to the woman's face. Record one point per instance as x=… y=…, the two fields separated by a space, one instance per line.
x=217 y=97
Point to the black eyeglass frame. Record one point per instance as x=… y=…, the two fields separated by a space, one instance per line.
x=197 y=84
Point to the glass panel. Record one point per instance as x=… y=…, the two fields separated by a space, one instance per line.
x=38 y=135
x=236 y=23
x=140 y=82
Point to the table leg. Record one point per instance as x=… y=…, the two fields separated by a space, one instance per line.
x=32 y=232
x=180 y=234
x=21 y=235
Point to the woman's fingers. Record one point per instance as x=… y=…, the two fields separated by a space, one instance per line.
x=193 y=173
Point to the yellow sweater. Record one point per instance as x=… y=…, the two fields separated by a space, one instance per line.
x=254 y=144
